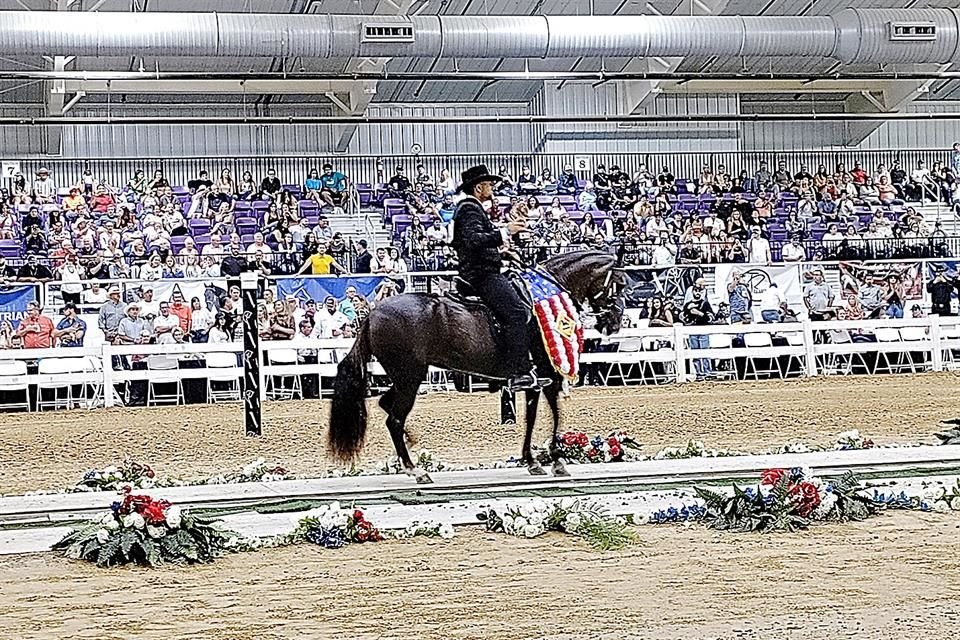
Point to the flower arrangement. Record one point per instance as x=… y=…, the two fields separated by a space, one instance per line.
x=141 y=530
x=787 y=499
x=577 y=517
x=693 y=449
x=428 y=529
x=332 y=527
x=113 y=478
x=579 y=448
x=853 y=440
x=256 y=471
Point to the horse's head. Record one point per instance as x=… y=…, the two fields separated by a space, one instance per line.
x=593 y=279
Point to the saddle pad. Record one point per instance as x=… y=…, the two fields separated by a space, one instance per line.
x=559 y=323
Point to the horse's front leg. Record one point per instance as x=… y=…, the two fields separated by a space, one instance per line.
x=552 y=393
x=526 y=456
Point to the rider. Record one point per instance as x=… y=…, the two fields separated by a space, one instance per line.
x=478 y=243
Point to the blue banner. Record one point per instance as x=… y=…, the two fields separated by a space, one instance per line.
x=13 y=303
x=319 y=288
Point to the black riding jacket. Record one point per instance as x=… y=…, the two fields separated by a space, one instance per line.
x=476 y=240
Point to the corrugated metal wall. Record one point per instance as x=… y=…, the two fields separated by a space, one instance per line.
x=580 y=98
x=388 y=139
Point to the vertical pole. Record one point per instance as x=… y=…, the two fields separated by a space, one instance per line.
x=508 y=406
x=253 y=419
x=936 y=335
x=808 y=343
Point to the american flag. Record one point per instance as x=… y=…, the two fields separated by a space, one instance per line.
x=559 y=323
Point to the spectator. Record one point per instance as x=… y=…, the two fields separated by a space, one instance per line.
x=941 y=290
x=330 y=322
x=71 y=329
x=698 y=312
x=149 y=306
x=446 y=185
x=34 y=243
x=527 y=182
x=770 y=304
x=44 y=189
x=247 y=189
x=320 y=262
x=763 y=178
x=36 y=330
x=165 y=322
x=893 y=296
x=660 y=315
x=181 y=311
x=281 y=324
x=362 y=260
x=70 y=275
x=740 y=299
x=818 y=297
x=233 y=264
x=259 y=246
x=95 y=295
x=218 y=333
x=399 y=185
x=794 y=251
x=271 y=186
x=110 y=314
x=33 y=271
x=758 y=248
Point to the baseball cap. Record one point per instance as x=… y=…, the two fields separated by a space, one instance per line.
x=113 y=289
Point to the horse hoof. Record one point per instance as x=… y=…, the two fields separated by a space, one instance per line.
x=536 y=469
x=560 y=469
x=421 y=476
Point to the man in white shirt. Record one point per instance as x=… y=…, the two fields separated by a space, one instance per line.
x=260 y=246
x=329 y=322
x=758 y=248
x=656 y=226
x=794 y=251
x=165 y=322
x=189 y=250
x=770 y=303
x=215 y=249
x=149 y=308
x=322 y=231
x=44 y=189
x=665 y=254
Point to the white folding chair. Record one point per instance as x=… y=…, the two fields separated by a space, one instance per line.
x=277 y=385
x=920 y=356
x=722 y=341
x=223 y=378
x=625 y=370
x=759 y=341
x=901 y=362
x=795 y=339
x=61 y=374
x=13 y=379
x=951 y=333
x=163 y=371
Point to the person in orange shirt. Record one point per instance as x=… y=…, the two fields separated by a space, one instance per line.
x=36 y=329
x=181 y=310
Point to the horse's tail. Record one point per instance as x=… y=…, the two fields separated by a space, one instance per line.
x=348 y=414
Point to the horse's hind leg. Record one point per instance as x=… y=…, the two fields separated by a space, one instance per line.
x=552 y=393
x=404 y=395
x=526 y=456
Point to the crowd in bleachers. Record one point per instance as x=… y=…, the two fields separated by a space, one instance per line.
x=658 y=219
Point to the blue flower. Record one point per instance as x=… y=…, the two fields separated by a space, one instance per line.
x=89 y=475
x=749 y=493
x=116 y=507
x=796 y=474
x=328 y=538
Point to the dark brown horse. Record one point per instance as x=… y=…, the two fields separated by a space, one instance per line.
x=411 y=332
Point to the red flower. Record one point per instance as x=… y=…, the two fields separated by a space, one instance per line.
x=149 y=473
x=582 y=439
x=772 y=476
x=615 y=451
x=153 y=513
x=806 y=496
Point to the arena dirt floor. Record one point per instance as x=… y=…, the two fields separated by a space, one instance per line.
x=893 y=577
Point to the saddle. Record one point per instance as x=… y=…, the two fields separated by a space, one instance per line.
x=464 y=293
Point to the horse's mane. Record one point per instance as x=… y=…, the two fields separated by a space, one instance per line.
x=580 y=271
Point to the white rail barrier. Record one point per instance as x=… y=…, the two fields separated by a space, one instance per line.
x=658 y=355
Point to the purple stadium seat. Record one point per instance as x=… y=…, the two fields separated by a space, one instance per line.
x=199 y=226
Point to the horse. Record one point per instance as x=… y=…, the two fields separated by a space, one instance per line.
x=410 y=332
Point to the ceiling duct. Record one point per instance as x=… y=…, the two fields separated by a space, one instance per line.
x=885 y=36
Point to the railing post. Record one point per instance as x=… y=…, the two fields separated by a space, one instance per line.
x=936 y=353
x=680 y=352
x=106 y=371
x=811 y=356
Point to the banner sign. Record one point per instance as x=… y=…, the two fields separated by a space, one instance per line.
x=319 y=288
x=758 y=280
x=9 y=168
x=853 y=275
x=13 y=303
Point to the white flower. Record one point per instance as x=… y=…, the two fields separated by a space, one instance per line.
x=334 y=506
x=567 y=503
x=526 y=510
x=173 y=516
x=113 y=525
x=108 y=518
x=445 y=531
x=572 y=521
x=102 y=536
x=955 y=503
x=941 y=507
x=536 y=519
x=110 y=470
x=134 y=521
x=519 y=522
x=532 y=531
x=539 y=506
x=507 y=521
x=156 y=532
x=929 y=494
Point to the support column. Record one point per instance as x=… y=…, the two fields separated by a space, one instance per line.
x=253 y=419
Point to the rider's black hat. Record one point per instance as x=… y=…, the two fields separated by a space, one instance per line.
x=475 y=175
